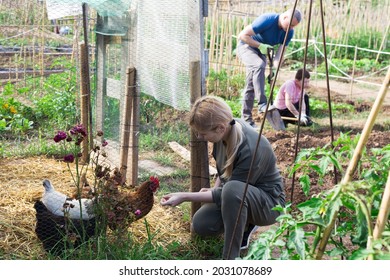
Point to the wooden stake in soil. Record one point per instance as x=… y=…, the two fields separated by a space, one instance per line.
x=353 y=72
x=128 y=109
x=134 y=133
x=199 y=154
x=85 y=68
x=84 y=101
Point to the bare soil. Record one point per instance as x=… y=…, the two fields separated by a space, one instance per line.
x=287 y=144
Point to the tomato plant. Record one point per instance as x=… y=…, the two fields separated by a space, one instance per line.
x=357 y=203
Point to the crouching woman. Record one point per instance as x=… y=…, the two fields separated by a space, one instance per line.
x=288 y=98
x=234 y=146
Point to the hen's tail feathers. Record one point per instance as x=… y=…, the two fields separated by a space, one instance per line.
x=47 y=185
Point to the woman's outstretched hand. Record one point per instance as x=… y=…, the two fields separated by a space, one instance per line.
x=172 y=199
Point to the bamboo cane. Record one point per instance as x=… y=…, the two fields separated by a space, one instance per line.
x=356 y=157
x=381 y=219
x=222 y=38
x=213 y=28
x=353 y=72
x=289 y=119
x=384 y=211
x=42 y=48
x=383 y=42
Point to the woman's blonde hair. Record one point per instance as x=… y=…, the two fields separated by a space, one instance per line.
x=207 y=113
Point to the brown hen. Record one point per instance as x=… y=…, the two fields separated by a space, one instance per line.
x=122 y=208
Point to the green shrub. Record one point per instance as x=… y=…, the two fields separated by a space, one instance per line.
x=13 y=116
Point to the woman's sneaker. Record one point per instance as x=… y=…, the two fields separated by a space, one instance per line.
x=252 y=124
x=247 y=236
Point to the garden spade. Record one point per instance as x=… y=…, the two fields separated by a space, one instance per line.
x=274 y=118
x=273 y=115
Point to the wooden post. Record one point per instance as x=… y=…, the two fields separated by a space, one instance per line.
x=382 y=218
x=199 y=154
x=84 y=101
x=134 y=131
x=85 y=68
x=126 y=127
x=101 y=77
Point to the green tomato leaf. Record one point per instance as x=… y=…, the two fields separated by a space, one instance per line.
x=333 y=207
x=311 y=207
x=297 y=238
x=305 y=184
x=361 y=232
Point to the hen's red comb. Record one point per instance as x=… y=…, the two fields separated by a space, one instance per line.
x=155 y=184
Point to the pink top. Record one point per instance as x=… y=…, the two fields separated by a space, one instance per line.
x=291 y=89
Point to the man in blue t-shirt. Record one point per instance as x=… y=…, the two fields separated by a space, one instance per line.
x=265 y=31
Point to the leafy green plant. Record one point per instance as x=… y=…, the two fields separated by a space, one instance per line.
x=319 y=160
x=226 y=84
x=298 y=233
x=321 y=108
x=11 y=116
x=58 y=108
x=346 y=65
x=235 y=105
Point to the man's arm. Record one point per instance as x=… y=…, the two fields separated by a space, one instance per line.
x=246 y=36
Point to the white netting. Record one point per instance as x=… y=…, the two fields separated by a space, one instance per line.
x=168 y=39
x=167 y=34
x=60 y=8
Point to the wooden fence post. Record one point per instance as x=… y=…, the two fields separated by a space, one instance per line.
x=84 y=101
x=126 y=123
x=134 y=133
x=199 y=153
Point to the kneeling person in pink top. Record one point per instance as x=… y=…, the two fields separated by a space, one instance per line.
x=287 y=99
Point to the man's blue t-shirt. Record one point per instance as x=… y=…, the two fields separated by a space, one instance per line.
x=268 y=31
